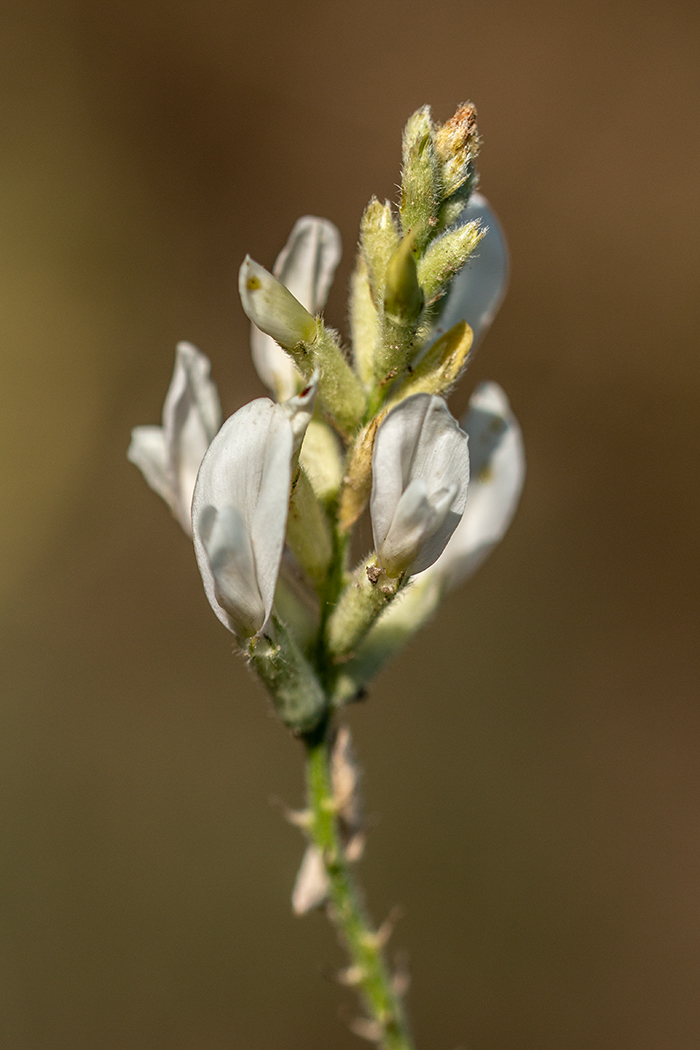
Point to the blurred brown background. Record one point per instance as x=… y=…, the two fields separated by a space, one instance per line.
x=533 y=762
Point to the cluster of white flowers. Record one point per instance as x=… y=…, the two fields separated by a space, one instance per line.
x=270 y=497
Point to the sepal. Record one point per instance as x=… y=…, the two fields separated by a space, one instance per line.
x=296 y=692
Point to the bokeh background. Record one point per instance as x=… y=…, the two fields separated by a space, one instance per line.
x=533 y=761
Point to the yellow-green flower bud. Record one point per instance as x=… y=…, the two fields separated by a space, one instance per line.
x=445 y=257
x=420 y=179
x=379 y=239
x=403 y=297
x=322 y=459
x=308 y=531
x=364 y=321
x=273 y=308
x=403 y=304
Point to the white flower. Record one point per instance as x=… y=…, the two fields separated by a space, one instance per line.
x=239 y=511
x=306 y=266
x=497 y=474
x=420 y=473
x=169 y=456
x=478 y=289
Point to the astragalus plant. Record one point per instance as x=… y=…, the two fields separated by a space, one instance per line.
x=272 y=496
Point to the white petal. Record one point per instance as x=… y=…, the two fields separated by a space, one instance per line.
x=419 y=441
x=307 y=263
x=306 y=266
x=191 y=418
x=498 y=472
x=147 y=451
x=274 y=366
x=416 y=520
x=478 y=289
x=230 y=554
x=247 y=466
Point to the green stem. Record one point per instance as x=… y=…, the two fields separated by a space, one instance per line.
x=368 y=970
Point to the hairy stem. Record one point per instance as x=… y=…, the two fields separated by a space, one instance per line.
x=368 y=971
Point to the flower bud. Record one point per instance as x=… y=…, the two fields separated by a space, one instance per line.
x=403 y=298
x=440 y=365
x=420 y=180
x=445 y=257
x=457 y=146
x=379 y=239
x=477 y=291
x=273 y=308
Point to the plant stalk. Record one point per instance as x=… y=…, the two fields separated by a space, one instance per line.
x=368 y=971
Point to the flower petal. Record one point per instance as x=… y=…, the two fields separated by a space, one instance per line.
x=230 y=554
x=498 y=472
x=306 y=266
x=248 y=467
x=147 y=451
x=478 y=289
x=307 y=263
x=191 y=418
x=420 y=469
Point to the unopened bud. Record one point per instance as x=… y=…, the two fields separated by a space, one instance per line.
x=420 y=180
x=403 y=297
x=379 y=239
x=445 y=257
x=273 y=308
x=456 y=146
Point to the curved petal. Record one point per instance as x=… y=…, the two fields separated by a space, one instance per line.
x=306 y=266
x=230 y=554
x=307 y=263
x=420 y=474
x=498 y=472
x=191 y=418
x=478 y=289
x=247 y=467
x=147 y=451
